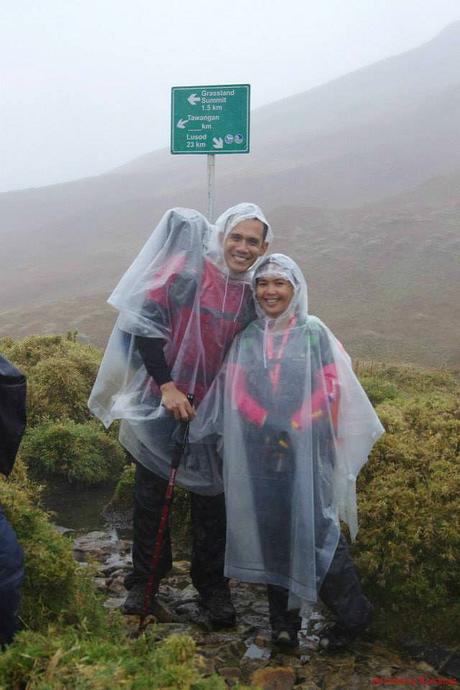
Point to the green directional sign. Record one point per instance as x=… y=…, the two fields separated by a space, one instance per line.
x=210 y=119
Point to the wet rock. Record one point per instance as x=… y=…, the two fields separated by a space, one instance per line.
x=256 y=652
x=206 y=666
x=180 y=568
x=254 y=621
x=189 y=592
x=230 y=673
x=113 y=602
x=63 y=530
x=178 y=581
x=79 y=555
x=338 y=680
x=261 y=607
x=281 y=678
x=263 y=638
x=100 y=584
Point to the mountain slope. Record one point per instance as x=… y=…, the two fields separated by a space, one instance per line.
x=360 y=178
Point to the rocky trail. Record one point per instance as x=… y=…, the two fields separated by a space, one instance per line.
x=244 y=654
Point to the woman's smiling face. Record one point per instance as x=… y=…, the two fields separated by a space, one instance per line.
x=274 y=295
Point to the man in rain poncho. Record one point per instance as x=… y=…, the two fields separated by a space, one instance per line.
x=180 y=304
x=297 y=427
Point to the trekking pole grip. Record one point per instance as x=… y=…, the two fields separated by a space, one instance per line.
x=182 y=441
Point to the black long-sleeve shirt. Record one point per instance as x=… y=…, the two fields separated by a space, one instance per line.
x=151 y=351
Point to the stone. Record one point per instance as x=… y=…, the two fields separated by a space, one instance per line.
x=113 y=602
x=263 y=638
x=274 y=678
x=256 y=652
x=424 y=667
x=260 y=607
x=180 y=568
x=205 y=665
x=189 y=593
x=100 y=584
x=230 y=673
x=63 y=530
x=337 y=681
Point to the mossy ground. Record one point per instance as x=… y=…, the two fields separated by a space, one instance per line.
x=68 y=661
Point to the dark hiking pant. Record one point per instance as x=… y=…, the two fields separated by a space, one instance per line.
x=341 y=592
x=208 y=533
x=11 y=576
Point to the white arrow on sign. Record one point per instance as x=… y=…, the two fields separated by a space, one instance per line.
x=193 y=99
x=181 y=124
x=218 y=143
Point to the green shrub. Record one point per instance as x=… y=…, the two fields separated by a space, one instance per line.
x=81 y=453
x=60 y=374
x=377 y=389
x=407 y=380
x=122 y=498
x=53 y=590
x=409 y=508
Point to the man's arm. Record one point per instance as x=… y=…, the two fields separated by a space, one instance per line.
x=151 y=351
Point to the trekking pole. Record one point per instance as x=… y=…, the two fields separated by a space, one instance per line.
x=178 y=452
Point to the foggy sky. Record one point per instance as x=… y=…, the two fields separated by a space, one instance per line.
x=85 y=84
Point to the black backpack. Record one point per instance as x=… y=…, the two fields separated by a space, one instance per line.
x=12 y=413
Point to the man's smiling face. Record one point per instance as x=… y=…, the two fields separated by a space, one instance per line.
x=244 y=244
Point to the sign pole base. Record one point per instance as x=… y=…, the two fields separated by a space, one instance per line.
x=211 y=185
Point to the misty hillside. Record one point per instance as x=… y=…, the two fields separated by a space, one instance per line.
x=360 y=178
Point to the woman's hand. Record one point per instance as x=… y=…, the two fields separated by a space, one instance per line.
x=176 y=402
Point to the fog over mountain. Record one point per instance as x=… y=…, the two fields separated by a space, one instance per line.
x=360 y=177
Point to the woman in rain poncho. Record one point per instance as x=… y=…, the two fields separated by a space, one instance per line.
x=297 y=427
x=181 y=302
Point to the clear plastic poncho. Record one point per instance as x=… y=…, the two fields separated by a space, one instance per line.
x=297 y=427
x=178 y=289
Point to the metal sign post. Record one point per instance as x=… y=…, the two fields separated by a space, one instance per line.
x=210 y=120
x=211 y=186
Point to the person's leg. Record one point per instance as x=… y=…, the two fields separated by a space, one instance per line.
x=208 y=555
x=11 y=577
x=342 y=593
x=9 y=620
x=149 y=495
x=285 y=624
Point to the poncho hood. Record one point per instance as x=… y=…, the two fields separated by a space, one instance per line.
x=280 y=265
x=224 y=224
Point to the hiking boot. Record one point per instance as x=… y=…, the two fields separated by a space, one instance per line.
x=285 y=639
x=217 y=603
x=134 y=602
x=334 y=637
